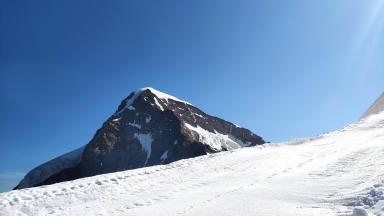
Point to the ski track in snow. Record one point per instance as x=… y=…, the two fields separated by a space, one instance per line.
x=333 y=174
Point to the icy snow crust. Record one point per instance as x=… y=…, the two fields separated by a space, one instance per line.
x=339 y=173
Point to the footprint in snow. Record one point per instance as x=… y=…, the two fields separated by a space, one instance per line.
x=273 y=175
x=138 y=204
x=26 y=198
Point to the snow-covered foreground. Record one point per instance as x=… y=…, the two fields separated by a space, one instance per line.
x=333 y=174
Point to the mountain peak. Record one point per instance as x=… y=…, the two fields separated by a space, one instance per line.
x=162 y=95
x=149 y=128
x=127 y=103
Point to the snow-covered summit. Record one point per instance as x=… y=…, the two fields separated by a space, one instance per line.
x=162 y=95
x=155 y=94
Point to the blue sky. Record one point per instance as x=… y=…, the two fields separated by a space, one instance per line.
x=284 y=69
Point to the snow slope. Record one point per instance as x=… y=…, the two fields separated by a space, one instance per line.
x=44 y=171
x=377 y=107
x=339 y=173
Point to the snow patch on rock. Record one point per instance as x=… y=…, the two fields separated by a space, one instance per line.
x=135 y=125
x=216 y=140
x=146 y=143
x=148 y=119
x=158 y=104
x=164 y=156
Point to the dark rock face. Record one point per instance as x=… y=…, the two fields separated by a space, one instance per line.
x=149 y=128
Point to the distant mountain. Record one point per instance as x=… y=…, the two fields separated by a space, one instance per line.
x=148 y=128
x=376 y=107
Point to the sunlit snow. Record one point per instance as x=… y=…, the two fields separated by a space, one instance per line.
x=338 y=173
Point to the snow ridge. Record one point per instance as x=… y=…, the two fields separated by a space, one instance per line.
x=162 y=95
x=42 y=172
x=158 y=94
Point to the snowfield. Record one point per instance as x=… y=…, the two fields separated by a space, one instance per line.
x=339 y=173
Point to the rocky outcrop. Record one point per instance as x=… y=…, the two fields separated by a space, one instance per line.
x=148 y=128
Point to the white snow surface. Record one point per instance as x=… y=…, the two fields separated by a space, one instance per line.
x=338 y=173
x=44 y=171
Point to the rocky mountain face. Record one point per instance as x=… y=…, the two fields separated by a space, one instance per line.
x=148 y=128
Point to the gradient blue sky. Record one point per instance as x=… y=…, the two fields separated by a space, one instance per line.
x=282 y=68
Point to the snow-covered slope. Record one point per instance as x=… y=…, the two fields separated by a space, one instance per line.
x=339 y=173
x=44 y=171
x=377 y=107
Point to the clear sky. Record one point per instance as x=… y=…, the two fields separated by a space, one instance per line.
x=282 y=68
